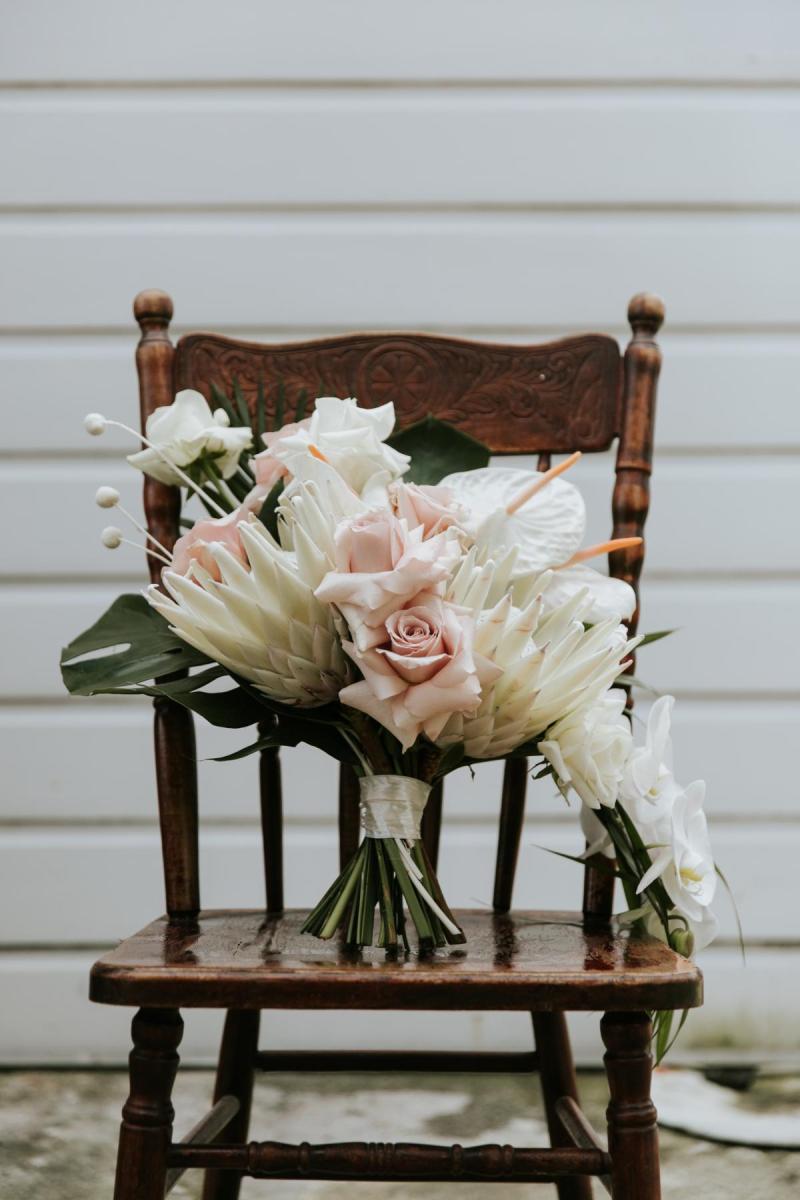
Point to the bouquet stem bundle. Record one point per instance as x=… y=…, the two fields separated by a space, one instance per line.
x=389 y=869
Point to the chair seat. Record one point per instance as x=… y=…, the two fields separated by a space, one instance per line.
x=530 y=961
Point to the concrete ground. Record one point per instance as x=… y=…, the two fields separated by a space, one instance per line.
x=58 y=1132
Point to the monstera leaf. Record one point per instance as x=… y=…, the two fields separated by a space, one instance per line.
x=437 y=449
x=135 y=644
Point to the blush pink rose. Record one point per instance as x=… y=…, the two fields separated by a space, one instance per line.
x=428 y=505
x=269 y=469
x=424 y=670
x=381 y=566
x=193 y=547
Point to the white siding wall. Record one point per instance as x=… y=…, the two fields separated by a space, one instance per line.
x=512 y=171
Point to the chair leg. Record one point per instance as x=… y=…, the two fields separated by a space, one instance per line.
x=632 y=1128
x=557 y=1075
x=146 y=1130
x=235 y=1073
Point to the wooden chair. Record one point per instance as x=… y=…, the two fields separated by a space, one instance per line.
x=577 y=393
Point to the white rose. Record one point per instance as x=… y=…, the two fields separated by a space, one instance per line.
x=352 y=440
x=589 y=749
x=186 y=430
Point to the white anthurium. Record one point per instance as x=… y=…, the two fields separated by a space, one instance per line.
x=181 y=432
x=542 y=519
x=353 y=441
x=260 y=620
x=684 y=862
x=552 y=665
x=648 y=789
x=547 y=529
x=610 y=597
x=589 y=748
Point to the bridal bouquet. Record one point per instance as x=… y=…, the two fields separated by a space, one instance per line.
x=401 y=605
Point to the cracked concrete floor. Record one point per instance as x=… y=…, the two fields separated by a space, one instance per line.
x=58 y=1132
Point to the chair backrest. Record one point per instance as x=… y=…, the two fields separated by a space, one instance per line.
x=578 y=393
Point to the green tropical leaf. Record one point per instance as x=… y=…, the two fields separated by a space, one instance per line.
x=143 y=647
x=438 y=449
x=260 y=411
x=234 y=708
x=649 y=638
x=268 y=514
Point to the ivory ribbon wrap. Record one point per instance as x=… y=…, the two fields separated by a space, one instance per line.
x=392 y=806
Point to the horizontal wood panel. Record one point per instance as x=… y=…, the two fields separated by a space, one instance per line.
x=750 y=1008
x=456 y=147
x=105 y=883
x=402 y=270
x=358 y=40
x=717 y=391
x=730 y=515
x=63 y=764
x=735 y=638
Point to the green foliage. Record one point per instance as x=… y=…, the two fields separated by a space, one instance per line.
x=649 y=638
x=437 y=449
x=142 y=644
x=268 y=513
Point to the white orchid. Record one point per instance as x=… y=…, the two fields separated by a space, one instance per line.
x=589 y=749
x=180 y=433
x=260 y=620
x=543 y=518
x=353 y=441
x=685 y=863
x=648 y=788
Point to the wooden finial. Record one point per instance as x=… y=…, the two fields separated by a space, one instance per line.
x=646 y=314
x=153 y=308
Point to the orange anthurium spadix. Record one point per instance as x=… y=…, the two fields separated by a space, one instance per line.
x=542 y=481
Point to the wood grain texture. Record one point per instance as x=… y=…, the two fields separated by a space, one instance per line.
x=235 y=1074
x=557 y=1077
x=515 y=399
x=147 y=1116
x=631 y=1115
x=707 y=389
x=384 y=1161
x=531 y=961
x=173 y=726
x=752 y=1007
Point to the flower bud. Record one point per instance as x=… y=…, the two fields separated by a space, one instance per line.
x=221 y=417
x=106 y=497
x=682 y=942
x=111 y=537
x=94 y=423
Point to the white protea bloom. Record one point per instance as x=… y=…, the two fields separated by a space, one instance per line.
x=180 y=433
x=552 y=665
x=260 y=620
